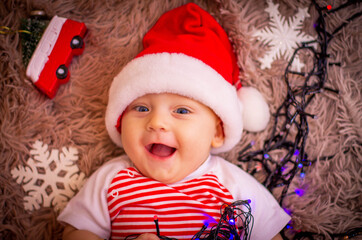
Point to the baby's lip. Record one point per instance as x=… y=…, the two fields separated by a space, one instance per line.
x=160 y=150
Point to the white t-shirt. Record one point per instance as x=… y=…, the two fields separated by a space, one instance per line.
x=89 y=209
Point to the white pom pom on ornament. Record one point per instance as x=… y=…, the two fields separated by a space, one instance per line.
x=255 y=109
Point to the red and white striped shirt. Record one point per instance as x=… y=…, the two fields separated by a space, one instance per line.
x=182 y=208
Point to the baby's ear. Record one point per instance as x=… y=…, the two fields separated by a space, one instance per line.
x=219 y=137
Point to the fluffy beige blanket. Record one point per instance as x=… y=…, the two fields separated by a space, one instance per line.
x=75 y=117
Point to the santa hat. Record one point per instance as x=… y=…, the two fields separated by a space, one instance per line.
x=188 y=53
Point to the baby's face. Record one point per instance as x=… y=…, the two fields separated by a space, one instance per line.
x=168 y=136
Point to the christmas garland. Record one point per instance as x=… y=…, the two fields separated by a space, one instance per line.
x=292 y=114
x=226 y=227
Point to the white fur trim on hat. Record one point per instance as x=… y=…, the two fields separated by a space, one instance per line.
x=179 y=74
x=256 y=111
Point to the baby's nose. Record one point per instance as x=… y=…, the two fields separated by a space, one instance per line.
x=158 y=122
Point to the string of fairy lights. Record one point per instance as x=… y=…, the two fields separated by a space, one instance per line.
x=227 y=227
x=290 y=131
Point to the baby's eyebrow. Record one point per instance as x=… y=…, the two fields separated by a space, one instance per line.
x=138 y=103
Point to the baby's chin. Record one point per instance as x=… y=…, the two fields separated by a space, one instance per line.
x=167 y=177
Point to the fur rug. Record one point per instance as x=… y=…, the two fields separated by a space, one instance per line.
x=75 y=117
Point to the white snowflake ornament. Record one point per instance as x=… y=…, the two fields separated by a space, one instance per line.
x=282 y=35
x=51 y=178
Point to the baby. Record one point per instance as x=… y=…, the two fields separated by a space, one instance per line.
x=172 y=108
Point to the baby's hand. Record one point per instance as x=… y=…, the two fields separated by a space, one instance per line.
x=147 y=236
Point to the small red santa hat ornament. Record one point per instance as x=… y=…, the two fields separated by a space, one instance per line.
x=188 y=53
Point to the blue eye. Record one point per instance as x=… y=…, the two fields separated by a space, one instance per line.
x=182 y=111
x=141 y=109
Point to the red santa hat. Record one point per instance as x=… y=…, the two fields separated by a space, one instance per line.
x=188 y=53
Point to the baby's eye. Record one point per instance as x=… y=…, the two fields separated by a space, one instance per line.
x=141 y=109
x=182 y=111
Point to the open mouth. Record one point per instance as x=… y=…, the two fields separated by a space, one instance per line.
x=160 y=150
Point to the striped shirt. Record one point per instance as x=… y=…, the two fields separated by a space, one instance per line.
x=181 y=208
x=90 y=209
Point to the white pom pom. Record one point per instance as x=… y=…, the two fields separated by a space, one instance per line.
x=255 y=109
